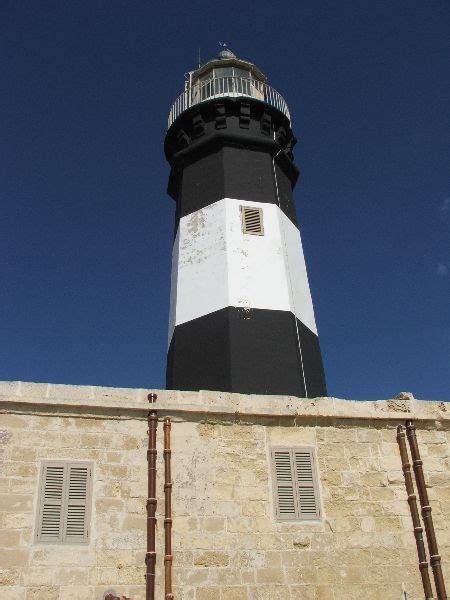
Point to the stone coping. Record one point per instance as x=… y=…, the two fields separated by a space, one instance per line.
x=52 y=398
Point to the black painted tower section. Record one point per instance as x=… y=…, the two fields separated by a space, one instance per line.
x=238 y=148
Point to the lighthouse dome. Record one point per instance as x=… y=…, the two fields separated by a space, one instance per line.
x=225 y=52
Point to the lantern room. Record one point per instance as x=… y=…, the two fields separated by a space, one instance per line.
x=226 y=76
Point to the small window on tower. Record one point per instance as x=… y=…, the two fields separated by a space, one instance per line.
x=252 y=221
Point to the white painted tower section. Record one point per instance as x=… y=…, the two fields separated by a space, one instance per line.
x=216 y=265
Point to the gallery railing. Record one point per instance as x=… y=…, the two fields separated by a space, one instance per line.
x=227 y=87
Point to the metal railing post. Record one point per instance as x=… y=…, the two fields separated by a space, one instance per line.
x=232 y=86
x=435 y=559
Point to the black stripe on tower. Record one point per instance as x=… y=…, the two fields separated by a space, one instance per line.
x=232 y=148
x=250 y=351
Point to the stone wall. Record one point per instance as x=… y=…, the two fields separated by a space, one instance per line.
x=227 y=544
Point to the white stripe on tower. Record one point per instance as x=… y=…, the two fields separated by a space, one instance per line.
x=215 y=265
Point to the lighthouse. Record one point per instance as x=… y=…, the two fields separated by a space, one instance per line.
x=241 y=314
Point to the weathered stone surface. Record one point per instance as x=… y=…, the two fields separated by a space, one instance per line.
x=227 y=543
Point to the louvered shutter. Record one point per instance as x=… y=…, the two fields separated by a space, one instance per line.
x=284 y=478
x=77 y=495
x=296 y=491
x=252 y=220
x=307 y=489
x=64 y=502
x=50 y=517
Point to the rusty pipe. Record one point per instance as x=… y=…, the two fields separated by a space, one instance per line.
x=435 y=559
x=168 y=512
x=412 y=501
x=150 y=556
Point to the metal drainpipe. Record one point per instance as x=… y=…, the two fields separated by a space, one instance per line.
x=150 y=556
x=412 y=501
x=435 y=559
x=168 y=512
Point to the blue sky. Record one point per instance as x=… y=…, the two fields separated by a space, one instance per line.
x=86 y=226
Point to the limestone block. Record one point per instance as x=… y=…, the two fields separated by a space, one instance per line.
x=112 y=558
x=51 y=555
x=208 y=431
x=439 y=450
x=16 y=502
x=38 y=576
x=331 y=450
x=23 y=454
x=301 y=575
x=430 y=437
x=9 y=388
x=17 y=520
x=194 y=577
x=382 y=494
x=340 y=435
x=247 y=576
x=34 y=390
x=13 y=593
x=104 y=505
x=358 y=450
x=323 y=592
x=268 y=592
x=249 y=493
x=13 y=421
x=9 y=537
x=42 y=593
x=136 y=592
x=213 y=524
x=262 y=524
x=255 y=508
x=20 y=469
x=224 y=577
x=240 y=525
x=72 y=392
x=350 y=478
x=211 y=559
x=370 y=435
x=282 y=436
x=303 y=592
x=13 y=557
x=270 y=575
x=77 y=592
x=113 y=471
x=47 y=439
x=9 y=577
x=237 y=592
x=207 y=593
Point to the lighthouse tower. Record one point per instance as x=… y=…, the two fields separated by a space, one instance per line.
x=241 y=315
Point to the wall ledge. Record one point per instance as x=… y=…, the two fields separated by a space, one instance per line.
x=48 y=398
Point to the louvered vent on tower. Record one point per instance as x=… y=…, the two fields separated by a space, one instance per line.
x=296 y=490
x=252 y=221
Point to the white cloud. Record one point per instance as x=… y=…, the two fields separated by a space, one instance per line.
x=441 y=269
x=445 y=206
